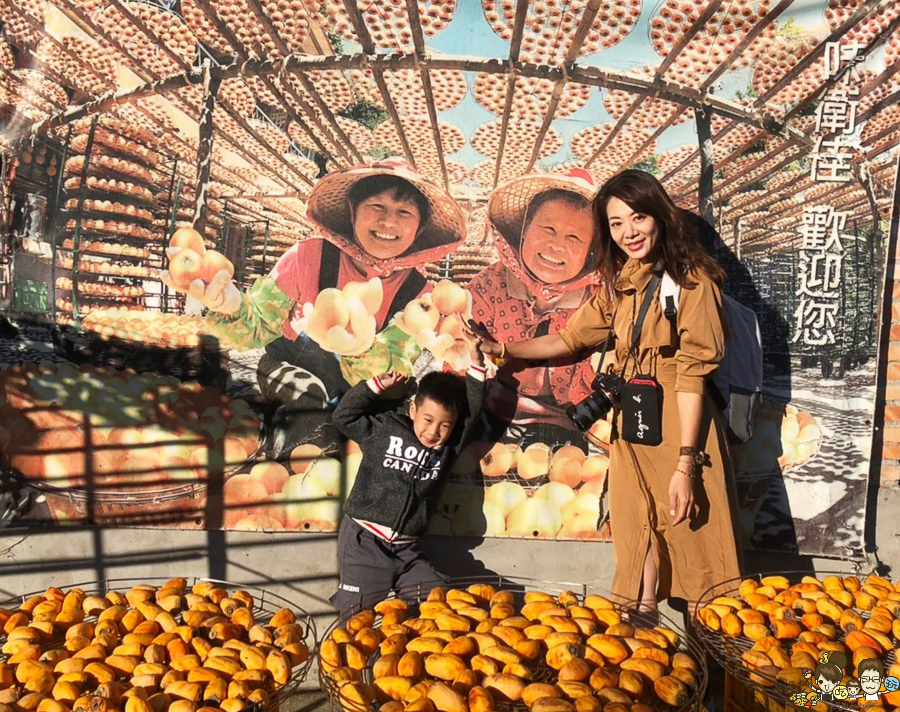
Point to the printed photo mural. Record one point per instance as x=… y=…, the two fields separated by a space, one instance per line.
x=218 y=217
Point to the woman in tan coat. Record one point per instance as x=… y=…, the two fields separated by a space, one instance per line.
x=672 y=505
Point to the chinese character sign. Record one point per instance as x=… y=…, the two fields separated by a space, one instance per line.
x=832 y=157
x=819 y=278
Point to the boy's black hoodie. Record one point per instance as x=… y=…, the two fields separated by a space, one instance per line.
x=398 y=476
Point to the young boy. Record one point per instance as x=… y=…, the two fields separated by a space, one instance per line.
x=404 y=460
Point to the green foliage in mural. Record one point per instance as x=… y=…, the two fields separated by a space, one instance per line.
x=365 y=113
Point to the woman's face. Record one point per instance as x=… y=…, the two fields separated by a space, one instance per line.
x=635 y=233
x=557 y=241
x=384 y=226
x=825 y=684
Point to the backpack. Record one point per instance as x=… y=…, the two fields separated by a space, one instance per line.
x=736 y=385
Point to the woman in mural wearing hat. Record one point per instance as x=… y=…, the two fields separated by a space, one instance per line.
x=380 y=224
x=547 y=246
x=672 y=504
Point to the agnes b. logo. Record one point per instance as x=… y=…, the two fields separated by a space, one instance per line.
x=641 y=428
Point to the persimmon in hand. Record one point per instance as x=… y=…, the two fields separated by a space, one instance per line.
x=185 y=267
x=187 y=238
x=213 y=263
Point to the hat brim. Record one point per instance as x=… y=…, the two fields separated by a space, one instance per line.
x=328 y=206
x=509 y=202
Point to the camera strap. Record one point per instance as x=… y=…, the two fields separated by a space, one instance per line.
x=652 y=286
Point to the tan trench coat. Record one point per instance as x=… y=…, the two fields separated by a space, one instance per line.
x=702 y=551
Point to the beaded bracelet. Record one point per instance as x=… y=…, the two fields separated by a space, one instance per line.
x=689 y=474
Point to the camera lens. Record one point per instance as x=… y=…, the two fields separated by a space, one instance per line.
x=590 y=410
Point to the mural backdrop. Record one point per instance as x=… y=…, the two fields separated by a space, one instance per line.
x=364 y=178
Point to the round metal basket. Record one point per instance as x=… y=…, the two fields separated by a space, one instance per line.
x=541 y=673
x=728 y=650
x=265 y=605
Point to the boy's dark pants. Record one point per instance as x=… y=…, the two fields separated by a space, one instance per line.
x=370 y=567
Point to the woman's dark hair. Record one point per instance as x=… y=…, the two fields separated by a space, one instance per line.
x=678 y=246
x=833 y=669
x=400 y=188
x=446 y=389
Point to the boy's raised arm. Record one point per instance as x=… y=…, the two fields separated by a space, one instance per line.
x=353 y=415
x=475 y=378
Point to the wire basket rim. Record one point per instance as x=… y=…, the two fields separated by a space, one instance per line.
x=299 y=674
x=687 y=641
x=722 y=648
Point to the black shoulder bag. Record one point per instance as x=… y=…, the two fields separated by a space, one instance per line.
x=641 y=397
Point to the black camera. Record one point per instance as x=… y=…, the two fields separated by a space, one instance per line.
x=607 y=390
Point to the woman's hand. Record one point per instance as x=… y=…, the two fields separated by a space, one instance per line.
x=485 y=343
x=475 y=351
x=681 y=494
x=221 y=295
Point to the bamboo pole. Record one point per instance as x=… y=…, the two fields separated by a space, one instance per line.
x=514 y=47
x=581 y=32
x=368 y=46
x=415 y=24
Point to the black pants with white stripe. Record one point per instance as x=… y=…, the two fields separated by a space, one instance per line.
x=370 y=568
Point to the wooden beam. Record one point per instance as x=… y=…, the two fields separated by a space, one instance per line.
x=866 y=9
x=415 y=24
x=881 y=105
x=796 y=70
x=241 y=52
x=879 y=40
x=154 y=38
x=582 y=74
x=749 y=38
x=279 y=42
x=581 y=33
x=514 y=48
x=204 y=149
x=368 y=46
x=154 y=85
x=329 y=116
x=695 y=27
x=704 y=141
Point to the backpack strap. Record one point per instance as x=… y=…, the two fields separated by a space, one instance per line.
x=669 y=294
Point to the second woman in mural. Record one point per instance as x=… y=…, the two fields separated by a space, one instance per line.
x=547 y=246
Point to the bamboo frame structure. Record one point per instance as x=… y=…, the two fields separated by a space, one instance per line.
x=320 y=123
